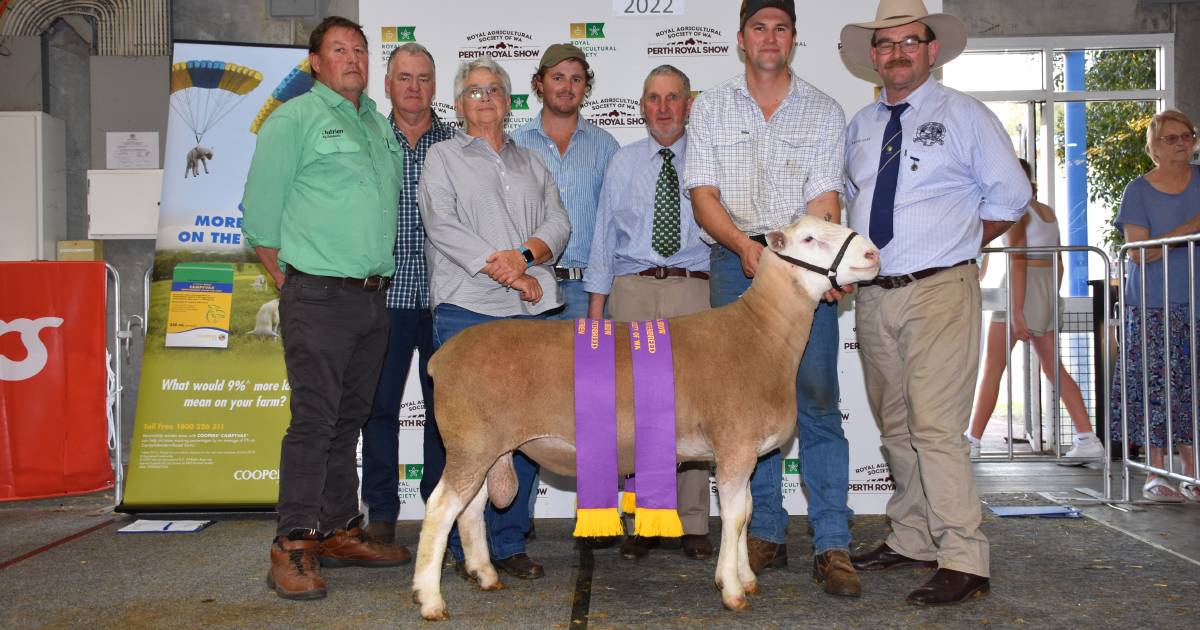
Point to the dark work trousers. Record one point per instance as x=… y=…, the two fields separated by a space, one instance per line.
x=334 y=339
x=411 y=330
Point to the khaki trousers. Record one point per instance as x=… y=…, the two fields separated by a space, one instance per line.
x=919 y=347
x=634 y=298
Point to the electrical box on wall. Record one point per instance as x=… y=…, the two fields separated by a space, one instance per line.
x=33 y=182
x=124 y=203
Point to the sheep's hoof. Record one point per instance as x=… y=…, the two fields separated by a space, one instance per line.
x=736 y=604
x=435 y=615
x=751 y=588
x=432 y=611
x=494 y=586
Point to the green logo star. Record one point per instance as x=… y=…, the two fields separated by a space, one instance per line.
x=519 y=101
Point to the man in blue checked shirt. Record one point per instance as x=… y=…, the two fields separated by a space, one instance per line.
x=410 y=86
x=576 y=152
x=648 y=261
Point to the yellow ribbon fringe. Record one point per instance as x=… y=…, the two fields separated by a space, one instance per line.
x=649 y=522
x=628 y=502
x=595 y=522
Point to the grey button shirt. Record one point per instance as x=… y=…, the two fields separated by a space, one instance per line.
x=474 y=202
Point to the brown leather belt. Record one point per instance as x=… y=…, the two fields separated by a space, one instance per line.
x=896 y=282
x=568 y=273
x=374 y=283
x=672 y=272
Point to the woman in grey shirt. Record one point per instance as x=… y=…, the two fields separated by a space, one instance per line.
x=495 y=223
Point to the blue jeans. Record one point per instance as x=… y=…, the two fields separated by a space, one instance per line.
x=575 y=301
x=824 y=451
x=505 y=528
x=411 y=330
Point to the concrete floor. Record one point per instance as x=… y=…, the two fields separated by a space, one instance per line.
x=62 y=565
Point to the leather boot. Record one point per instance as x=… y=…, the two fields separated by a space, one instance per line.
x=833 y=569
x=381 y=532
x=349 y=547
x=765 y=555
x=295 y=572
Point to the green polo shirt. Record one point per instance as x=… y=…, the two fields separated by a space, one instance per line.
x=323 y=186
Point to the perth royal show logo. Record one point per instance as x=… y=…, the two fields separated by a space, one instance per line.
x=36 y=354
x=447 y=114
x=614 y=112
x=872 y=479
x=500 y=44
x=689 y=41
x=590 y=38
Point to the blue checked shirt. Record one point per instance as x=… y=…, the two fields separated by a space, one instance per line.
x=579 y=174
x=410 y=285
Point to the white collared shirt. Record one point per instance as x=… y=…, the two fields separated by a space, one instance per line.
x=767 y=171
x=957 y=167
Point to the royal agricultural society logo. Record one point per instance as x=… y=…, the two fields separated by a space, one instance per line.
x=873 y=478
x=412 y=414
x=392 y=37
x=688 y=41
x=518 y=112
x=447 y=114
x=614 y=112
x=500 y=44
x=589 y=37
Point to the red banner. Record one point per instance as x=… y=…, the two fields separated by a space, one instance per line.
x=53 y=422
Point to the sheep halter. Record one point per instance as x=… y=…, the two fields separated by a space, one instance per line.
x=831 y=271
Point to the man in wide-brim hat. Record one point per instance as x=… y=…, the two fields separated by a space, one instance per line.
x=931 y=177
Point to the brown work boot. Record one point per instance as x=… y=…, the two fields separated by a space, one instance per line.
x=295 y=572
x=697 y=546
x=381 y=532
x=522 y=566
x=833 y=569
x=765 y=555
x=349 y=547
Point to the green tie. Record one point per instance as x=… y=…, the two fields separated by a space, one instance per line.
x=665 y=239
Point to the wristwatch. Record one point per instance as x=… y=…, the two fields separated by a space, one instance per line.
x=527 y=254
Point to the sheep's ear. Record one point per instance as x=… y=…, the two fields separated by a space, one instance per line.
x=777 y=240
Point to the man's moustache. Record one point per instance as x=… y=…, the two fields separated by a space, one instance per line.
x=897 y=62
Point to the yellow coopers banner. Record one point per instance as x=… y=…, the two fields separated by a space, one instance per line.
x=213 y=401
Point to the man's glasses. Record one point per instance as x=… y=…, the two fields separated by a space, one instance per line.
x=908 y=45
x=1176 y=138
x=492 y=91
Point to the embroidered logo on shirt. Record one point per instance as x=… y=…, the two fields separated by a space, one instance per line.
x=931 y=133
x=329 y=134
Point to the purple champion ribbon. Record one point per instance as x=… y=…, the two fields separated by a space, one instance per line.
x=654 y=414
x=595 y=414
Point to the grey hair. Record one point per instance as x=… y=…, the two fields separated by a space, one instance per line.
x=481 y=63
x=410 y=48
x=668 y=70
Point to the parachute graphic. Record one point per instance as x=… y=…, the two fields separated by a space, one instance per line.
x=297 y=82
x=203 y=92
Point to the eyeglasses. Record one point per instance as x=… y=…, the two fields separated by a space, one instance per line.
x=908 y=45
x=492 y=91
x=1176 y=138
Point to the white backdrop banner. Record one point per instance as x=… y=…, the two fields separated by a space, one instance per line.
x=624 y=40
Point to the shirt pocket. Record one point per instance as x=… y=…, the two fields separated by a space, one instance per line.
x=734 y=152
x=341 y=165
x=792 y=159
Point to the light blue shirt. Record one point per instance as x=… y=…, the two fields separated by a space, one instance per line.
x=625 y=218
x=579 y=174
x=957 y=167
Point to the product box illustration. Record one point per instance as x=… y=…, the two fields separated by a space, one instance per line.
x=201 y=306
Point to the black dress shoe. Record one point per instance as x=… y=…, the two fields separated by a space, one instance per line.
x=697 y=546
x=637 y=547
x=883 y=557
x=597 y=542
x=522 y=566
x=948 y=586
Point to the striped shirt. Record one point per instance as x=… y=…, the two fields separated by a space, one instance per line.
x=579 y=174
x=625 y=220
x=410 y=285
x=957 y=168
x=767 y=171
x=475 y=202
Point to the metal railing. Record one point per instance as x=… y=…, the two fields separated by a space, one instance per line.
x=1128 y=464
x=1102 y=346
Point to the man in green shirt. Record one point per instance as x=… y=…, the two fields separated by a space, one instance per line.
x=320 y=203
